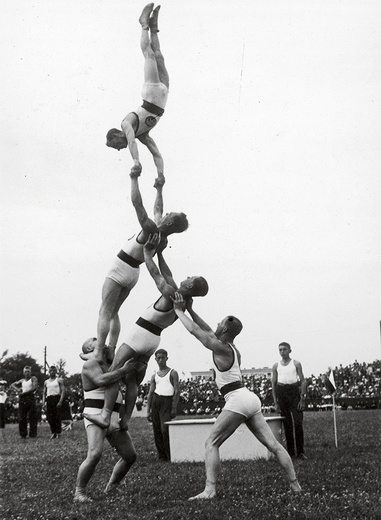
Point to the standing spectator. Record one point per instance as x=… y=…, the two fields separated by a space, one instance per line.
x=26 y=387
x=289 y=392
x=162 y=402
x=52 y=399
x=3 y=399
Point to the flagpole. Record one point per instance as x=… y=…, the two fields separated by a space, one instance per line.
x=334 y=418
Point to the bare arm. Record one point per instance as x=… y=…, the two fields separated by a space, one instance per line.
x=303 y=384
x=146 y=223
x=176 y=395
x=62 y=391
x=158 y=207
x=93 y=372
x=299 y=371
x=196 y=318
x=152 y=147
x=165 y=270
x=132 y=146
x=16 y=385
x=207 y=338
x=166 y=290
x=274 y=382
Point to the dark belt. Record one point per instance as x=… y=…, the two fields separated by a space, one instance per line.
x=154 y=109
x=155 y=329
x=99 y=403
x=230 y=387
x=288 y=385
x=128 y=259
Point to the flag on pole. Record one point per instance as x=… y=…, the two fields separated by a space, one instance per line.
x=330 y=381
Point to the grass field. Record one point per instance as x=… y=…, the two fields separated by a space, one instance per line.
x=38 y=478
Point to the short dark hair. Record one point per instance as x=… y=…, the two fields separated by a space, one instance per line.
x=284 y=344
x=180 y=222
x=27 y=367
x=161 y=351
x=234 y=325
x=114 y=133
x=200 y=286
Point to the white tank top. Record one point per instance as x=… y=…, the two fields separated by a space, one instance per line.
x=163 y=384
x=52 y=387
x=287 y=374
x=232 y=375
x=162 y=319
x=26 y=385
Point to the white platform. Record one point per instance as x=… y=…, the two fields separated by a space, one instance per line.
x=187 y=440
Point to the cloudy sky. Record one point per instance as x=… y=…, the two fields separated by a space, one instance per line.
x=271 y=146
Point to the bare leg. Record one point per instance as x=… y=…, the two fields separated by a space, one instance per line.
x=129 y=401
x=115 y=322
x=111 y=292
x=259 y=427
x=95 y=439
x=226 y=424
x=155 y=45
x=123 y=444
x=151 y=73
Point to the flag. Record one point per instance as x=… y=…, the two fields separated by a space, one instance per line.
x=330 y=382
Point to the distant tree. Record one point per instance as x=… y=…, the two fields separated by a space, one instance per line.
x=74 y=392
x=74 y=380
x=5 y=353
x=61 y=368
x=11 y=368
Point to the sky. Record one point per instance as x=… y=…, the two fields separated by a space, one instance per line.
x=271 y=144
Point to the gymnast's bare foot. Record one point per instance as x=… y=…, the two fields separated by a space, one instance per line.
x=205 y=495
x=111 y=488
x=144 y=17
x=295 y=486
x=79 y=496
x=153 y=21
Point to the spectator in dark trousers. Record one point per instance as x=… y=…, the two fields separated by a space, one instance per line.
x=162 y=402
x=26 y=388
x=289 y=392
x=52 y=399
x=3 y=400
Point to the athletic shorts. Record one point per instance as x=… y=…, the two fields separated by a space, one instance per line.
x=123 y=274
x=142 y=341
x=156 y=93
x=98 y=395
x=243 y=401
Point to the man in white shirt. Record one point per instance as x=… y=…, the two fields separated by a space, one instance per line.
x=26 y=388
x=162 y=401
x=289 y=392
x=52 y=399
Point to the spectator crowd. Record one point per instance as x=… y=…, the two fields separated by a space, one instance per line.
x=357 y=382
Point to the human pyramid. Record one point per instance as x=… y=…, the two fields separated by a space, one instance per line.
x=105 y=413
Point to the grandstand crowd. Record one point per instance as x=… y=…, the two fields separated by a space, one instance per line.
x=358 y=385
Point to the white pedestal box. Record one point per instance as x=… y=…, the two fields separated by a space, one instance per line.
x=187 y=440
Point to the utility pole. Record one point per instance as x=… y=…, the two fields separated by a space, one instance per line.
x=45 y=362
